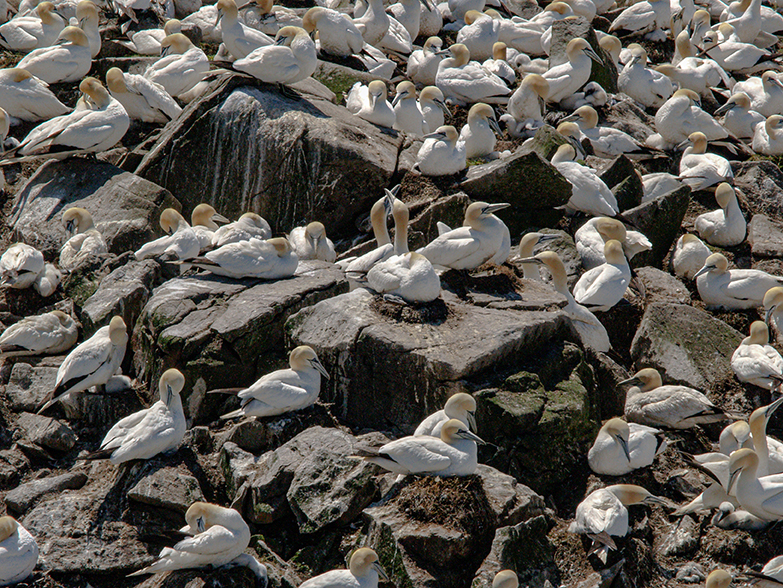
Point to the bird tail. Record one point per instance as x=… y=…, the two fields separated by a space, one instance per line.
x=233 y=414
x=233 y=391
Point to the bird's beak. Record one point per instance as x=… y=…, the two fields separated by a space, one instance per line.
x=70 y=226
x=472 y=436
x=321 y=369
x=656 y=500
x=531 y=260
x=380 y=570
x=703 y=270
x=633 y=380
x=545 y=238
x=443 y=52
x=571 y=117
x=219 y=218
x=165 y=50
x=624 y=444
x=200 y=524
x=442 y=105
x=280 y=41
x=495 y=207
x=472 y=420
x=732 y=480
x=398 y=97
x=593 y=55
x=684 y=144
x=769 y=313
x=169 y=395
x=725 y=108
x=388 y=202
x=244 y=6
x=219 y=18
x=773 y=407
x=435 y=136
x=493 y=124
x=426 y=5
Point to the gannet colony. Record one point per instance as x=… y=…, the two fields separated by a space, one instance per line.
x=348 y=294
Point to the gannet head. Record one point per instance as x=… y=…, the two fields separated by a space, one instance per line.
x=118 y=332
x=199 y=515
x=363 y=560
x=433 y=44
x=714 y=263
x=176 y=43
x=432 y=94
x=709 y=40
x=739 y=100
x=630 y=494
x=555 y=266
x=612 y=45
x=537 y=83
x=742 y=459
x=759 y=333
x=115 y=81
x=459 y=54
x=315 y=231
x=64 y=319
x=481 y=111
x=530 y=240
x=77 y=220
x=253 y=219
x=576 y=47
x=772 y=300
x=75 y=36
x=698 y=142
x=169 y=220
x=206 y=216
x=311 y=18
x=619 y=430
x=773 y=124
x=560 y=8
x=724 y=195
x=480 y=211
x=689 y=238
x=94 y=90
x=377 y=91
x=770 y=78
x=564 y=153
x=8 y=527
x=738 y=430
x=505 y=579
x=453 y=430
x=613 y=252
x=638 y=55
x=683 y=44
x=647 y=379
x=87 y=13
x=757 y=421
x=226 y=9
x=463 y=407
x=303 y=357
x=404 y=91
x=471 y=16
x=446 y=133
x=569 y=129
x=281 y=245
x=287 y=34
x=171 y=382
x=499 y=51
x=18 y=75
x=400 y=213
x=610 y=228
x=586 y=115
x=726 y=29
x=690 y=95
x=719 y=578
x=46 y=11
x=172 y=26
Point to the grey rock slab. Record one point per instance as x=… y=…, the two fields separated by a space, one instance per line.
x=626 y=116
x=761 y=183
x=225 y=577
x=512 y=502
x=682 y=538
x=13 y=464
x=765 y=236
x=125 y=207
x=169 y=487
x=28 y=386
x=563 y=31
x=662 y=287
x=24 y=496
x=46 y=432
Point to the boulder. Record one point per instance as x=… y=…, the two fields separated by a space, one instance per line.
x=225 y=577
x=125 y=207
x=546 y=142
x=626 y=116
x=21 y=498
x=102 y=409
x=423 y=228
x=563 y=31
x=46 y=432
x=761 y=183
x=29 y=385
x=626 y=184
x=13 y=464
x=171 y=487
x=765 y=236
x=287 y=158
x=660 y=220
x=511 y=501
x=659 y=286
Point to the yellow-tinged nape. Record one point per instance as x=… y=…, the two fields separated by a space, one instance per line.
x=8 y=527
x=505 y=579
x=118 y=332
x=77 y=220
x=169 y=220
x=281 y=245
x=647 y=379
x=718 y=579
x=610 y=228
x=613 y=252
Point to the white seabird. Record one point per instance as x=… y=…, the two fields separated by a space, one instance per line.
x=182 y=65
x=46 y=334
x=433 y=108
x=621 y=448
x=762 y=497
x=87 y=242
x=589 y=193
x=250 y=225
x=407 y=115
x=67 y=60
x=311 y=242
x=738 y=118
x=423 y=63
x=465 y=82
x=374 y=23
x=270 y=259
x=363 y=572
x=25 y=97
x=773 y=307
x=461 y=406
x=647 y=86
x=527 y=104
x=735 y=289
x=87 y=17
x=605 y=141
x=679 y=117
x=441 y=153
x=527 y=244
x=602 y=287
x=48 y=280
x=479 y=135
x=142 y=99
x=689 y=256
x=358 y=267
x=370 y=103
x=26 y=33
x=291 y=59
x=498 y=64
x=239 y=39
x=726 y=226
x=20 y=265
x=700 y=170
x=765 y=93
x=755 y=361
x=768 y=137
x=18 y=552
x=567 y=78
x=147 y=41
x=337 y=34
x=203 y=222
x=647 y=17
x=180 y=241
x=728 y=51
x=592 y=236
x=479 y=34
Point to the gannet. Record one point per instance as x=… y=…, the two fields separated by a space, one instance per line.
x=363 y=572
x=376 y=62
x=734 y=436
x=482 y=239
x=689 y=256
x=151 y=431
x=589 y=193
x=433 y=108
x=679 y=117
x=591 y=237
x=18 y=552
x=25 y=33
x=407 y=116
x=762 y=497
x=773 y=306
x=479 y=134
x=768 y=449
x=250 y=225
x=567 y=78
x=590 y=329
x=526 y=36
x=357 y=268
x=461 y=406
x=311 y=242
x=291 y=59
x=25 y=97
x=269 y=259
x=729 y=52
x=142 y=99
x=479 y=34
x=605 y=141
x=527 y=104
x=602 y=287
x=86 y=242
x=768 y=138
x=268 y=18
x=647 y=86
x=748 y=23
x=67 y=60
x=396 y=40
x=182 y=65
x=526 y=249
x=734 y=289
x=204 y=18
x=505 y=579
x=739 y=119
x=458 y=8
x=239 y=39
x=453 y=454
x=369 y=102
x=48 y=280
x=220 y=535
x=46 y=334
x=603 y=514
x=658 y=184
x=441 y=153
x=92 y=363
x=20 y=265
x=592 y=94
x=648 y=402
x=180 y=241
x=621 y=448
x=374 y=23
x=646 y=17
x=430 y=21
x=423 y=63
x=498 y=64
x=147 y=41
x=695 y=73
x=87 y=17
x=700 y=170
x=726 y=226
x=284 y=390
x=203 y=222
x=766 y=93
x=755 y=361
x=718 y=579
x=771 y=575
x=337 y=34
x=465 y=81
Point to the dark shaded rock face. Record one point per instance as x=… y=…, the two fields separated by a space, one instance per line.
x=660 y=220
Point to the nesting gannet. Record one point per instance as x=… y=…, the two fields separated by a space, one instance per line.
x=689 y=256
x=147 y=41
x=590 y=329
x=734 y=289
x=25 y=97
x=67 y=60
x=479 y=34
x=755 y=361
x=20 y=265
x=646 y=17
x=466 y=82
x=771 y=575
x=18 y=552
x=762 y=497
x=453 y=454
x=142 y=99
x=408 y=14
x=151 y=431
x=530 y=271
x=441 y=153
x=605 y=141
x=766 y=93
x=603 y=514
x=498 y=64
x=357 y=268
x=407 y=116
x=26 y=33
x=567 y=78
x=311 y=242
x=269 y=259
x=726 y=226
x=773 y=306
x=363 y=572
x=647 y=86
x=730 y=52
x=46 y=334
x=768 y=449
x=695 y=73
x=180 y=241
x=87 y=242
x=250 y=225
x=526 y=36
x=370 y=103
x=738 y=118
x=589 y=193
x=658 y=184
x=87 y=17
x=479 y=134
x=433 y=108
x=337 y=35
x=734 y=436
x=220 y=535
x=203 y=222
x=768 y=138
x=648 y=402
x=423 y=63
x=48 y=280
x=591 y=237
x=461 y=406
x=621 y=448
x=182 y=65
x=267 y=17
x=374 y=23
x=92 y=363
x=602 y=287
x=679 y=117
x=700 y=170
x=291 y=59
x=748 y=23
x=527 y=104
x=284 y=390
x=239 y=39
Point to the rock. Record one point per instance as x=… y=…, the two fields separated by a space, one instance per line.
x=340 y=78
x=530 y=184
x=237 y=466
x=46 y=432
x=29 y=385
x=685 y=344
x=423 y=228
x=765 y=236
x=100 y=409
x=222 y=332
x=683 y=538
x=660 y=220
x=289 y=158
x=21 y=498
x=392 y=372
x=13 y=464
x=161 y=485
x=626 y=184
x=546 y=142
x=125 y=207
x=123 y=292
x=626 y=116
x=565 y=30
x=761 y=183
x=565 y=247
x=662 y=287
x=526 y=9
x=225 y=577
x=499 y=289
x=512 y=502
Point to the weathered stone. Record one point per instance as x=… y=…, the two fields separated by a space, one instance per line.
x=237 y=466
x=512 y=502
x=448 y=209
x=526 y=9
x=13 y=464
x=46 y=432
x=225 y=577
x=682 y=538
x=125 y=207
x=22 y=498
x=660 y=220
x=341 y=78
x=660 y=286
x=29 y=385
x=546 y=142
x=685 y=344
x=100 y=409
x=289 y=158
x=169 y=487
x=761 y=183
x=123 y=292
x=399 y=372
x=563 y=31
x=626 y=116
x=765 y=236
x=626 y=184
